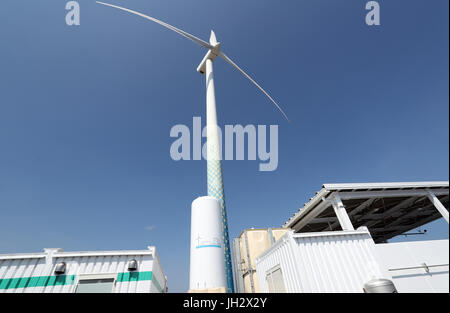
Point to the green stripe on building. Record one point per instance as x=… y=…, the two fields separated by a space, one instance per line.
x=38 y=281
x=134 y=276
x=138 y=276
x=46 y=281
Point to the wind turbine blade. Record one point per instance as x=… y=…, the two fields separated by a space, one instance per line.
x=177 y=30
x=255 y=83
x=212 y=38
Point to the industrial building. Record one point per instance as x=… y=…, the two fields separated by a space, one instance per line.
x=338 y=242
x=246 y=248
x=57 y=271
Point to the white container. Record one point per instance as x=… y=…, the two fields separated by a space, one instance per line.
x=321 y=262
x=36 y=272
x=207 y=266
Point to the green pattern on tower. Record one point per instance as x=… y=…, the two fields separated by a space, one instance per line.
x=216 y=190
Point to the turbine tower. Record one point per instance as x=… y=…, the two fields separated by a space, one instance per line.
x=213 y=153
x=214 y=160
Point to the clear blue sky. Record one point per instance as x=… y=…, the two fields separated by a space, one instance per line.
x=85 y=114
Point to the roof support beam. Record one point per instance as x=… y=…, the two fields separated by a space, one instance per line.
x=424 y=211
x=381 y=216
x=311 y=215
x=390 y=193
x=404 y=204
x=396 y=230
x=295 y=221
x=341 y=213
x=444 y=212
x=323 y=220
x=390 y=229
x=355 y=211
x=362 y=206
x=381 y=238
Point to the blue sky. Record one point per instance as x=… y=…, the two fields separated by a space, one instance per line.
x=86 y=111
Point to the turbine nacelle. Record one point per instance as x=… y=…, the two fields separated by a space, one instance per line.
x=212 y=54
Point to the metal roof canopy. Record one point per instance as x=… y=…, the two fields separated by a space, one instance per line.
x=386 y=209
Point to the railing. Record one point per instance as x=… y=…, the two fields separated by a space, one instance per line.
x=424 y=266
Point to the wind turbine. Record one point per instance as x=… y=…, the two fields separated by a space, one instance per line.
x=214 y=163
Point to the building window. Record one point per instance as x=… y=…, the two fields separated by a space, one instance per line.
x=98 y=285
x=274 y=278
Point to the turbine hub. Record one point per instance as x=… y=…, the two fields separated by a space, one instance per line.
x=212 y=54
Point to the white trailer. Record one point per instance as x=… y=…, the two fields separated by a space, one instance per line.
x=321 y=262
x=56 y=271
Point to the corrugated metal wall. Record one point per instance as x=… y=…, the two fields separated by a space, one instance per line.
x=36 y=273
x=340 y=261
x=158 y=279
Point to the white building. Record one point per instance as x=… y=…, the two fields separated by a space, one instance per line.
x=56 y=271
x=344 y=261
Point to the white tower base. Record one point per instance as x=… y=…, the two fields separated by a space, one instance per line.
x=207 y=266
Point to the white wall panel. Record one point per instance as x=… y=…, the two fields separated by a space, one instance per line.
x=405 y=262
